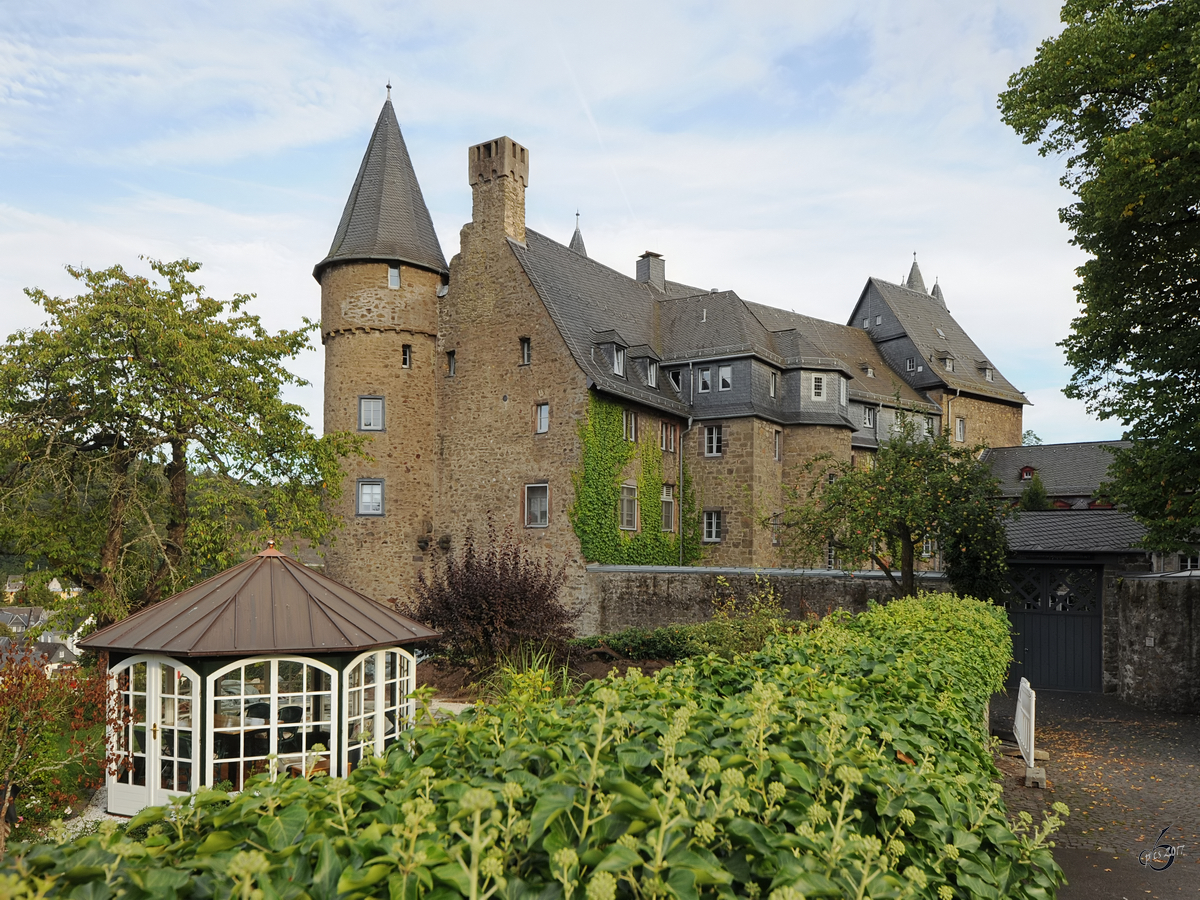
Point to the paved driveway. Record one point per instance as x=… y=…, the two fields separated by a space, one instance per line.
x=1126 y=775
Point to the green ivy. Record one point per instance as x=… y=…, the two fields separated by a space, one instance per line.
x=594 y=512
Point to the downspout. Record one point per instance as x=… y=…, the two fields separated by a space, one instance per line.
x=679 y=449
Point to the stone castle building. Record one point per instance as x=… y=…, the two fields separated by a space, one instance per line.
x=608 y=418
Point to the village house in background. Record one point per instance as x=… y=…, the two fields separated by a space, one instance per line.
x=472 y=379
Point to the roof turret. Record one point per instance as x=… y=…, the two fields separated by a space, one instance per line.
x=385 y=218
x=577 y=239
x=937 y=292
x=915 y=282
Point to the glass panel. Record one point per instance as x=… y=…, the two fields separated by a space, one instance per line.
x=183 y=777
x=258 y=712
x=291 y=676
x=184 y=688
x=168 y=711
x=167 y=679
x=390 y=665
x=139 y=677
x=320 y=708
x=256 y=679
x=231 y=683
x=139 y=771
x=369 y=670
x=184 y=712
x=227 y=746
x=317 y=680
x=354 y=707
x=167 y=745
x=139 y=707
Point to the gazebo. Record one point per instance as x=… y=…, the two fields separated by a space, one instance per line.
x=268 y=666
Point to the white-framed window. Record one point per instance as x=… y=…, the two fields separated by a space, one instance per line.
x=929 y=426
x=370 y=414
x=1188 y=563
x=705 y=380
x=960 y=429
x=842 y=383
x=831 y=560
x=910 y=365
x=928 y=546
x=818 y=387
x=868 y=417
x=537 y=505
x=375 y=697
x=542 y=418
x=393 y=277
x=870 y=371
x=778 y=444
x=629 y=507
x=619 y=361
x=777 y=529
x=712 y=526
x=406 y=356
x=866 y=322
x=949 y=363
x=370 y=497
x=277 y=706
x=676 y=379
x=526 y=351
x=629 y=425
x=724 y=378
x=652 y=374
x=774 y=388
x=451 y=363
x=1027 y=473
x=989 y=374
x=668 y=507
x=879 y=320
x=666 y=436
x=713 y=440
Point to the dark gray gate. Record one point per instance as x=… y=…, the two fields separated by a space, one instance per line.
x=1055 y=614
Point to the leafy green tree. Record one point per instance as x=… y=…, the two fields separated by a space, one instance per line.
x=1034 y=498
x=1030 y=439
x=144 y=440
x=918 y=487
x=1118 y=92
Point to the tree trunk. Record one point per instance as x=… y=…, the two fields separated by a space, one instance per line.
x=105 y=582
x=177 y=521
x=908 y=582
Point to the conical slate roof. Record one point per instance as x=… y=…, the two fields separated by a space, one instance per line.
x=385 y=217
x=937 y=294
x=268 y=604
x=577 y=239
x=915 y=282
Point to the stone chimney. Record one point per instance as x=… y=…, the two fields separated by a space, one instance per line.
x=652 y=270
x=499 y=174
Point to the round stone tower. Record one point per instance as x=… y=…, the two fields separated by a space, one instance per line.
x=380 y=285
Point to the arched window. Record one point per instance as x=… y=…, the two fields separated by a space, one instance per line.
x=259 y=707
x=156 y=746
x=376 y=701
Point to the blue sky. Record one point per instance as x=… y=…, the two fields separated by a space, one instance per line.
x=786 y=150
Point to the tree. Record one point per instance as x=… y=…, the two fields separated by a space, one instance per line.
x=47 y=721
x=1118 y=92
x=1030 y=439
x=1033 y=498
x=919 y=488
x=144 y=440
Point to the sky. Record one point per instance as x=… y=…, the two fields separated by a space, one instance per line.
x=785 y=150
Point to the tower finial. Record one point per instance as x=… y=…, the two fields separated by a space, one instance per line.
x=389 y=96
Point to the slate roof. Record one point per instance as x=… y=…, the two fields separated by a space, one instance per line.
x=1074 y=531
x=385 y=217
x=854 y=348
x=1066 y=470
x=268 y=604
x=577 y=240
x=921 y=316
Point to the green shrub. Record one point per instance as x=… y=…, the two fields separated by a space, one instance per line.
x=847 y=761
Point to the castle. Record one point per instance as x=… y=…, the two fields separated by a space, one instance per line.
x=608 y=418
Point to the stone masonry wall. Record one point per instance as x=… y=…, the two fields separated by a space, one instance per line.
x=990 y=422
x=364 y=325
x=1158 y=642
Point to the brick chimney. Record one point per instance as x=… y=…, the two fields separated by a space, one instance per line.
x=652 y=270
x=499 y=174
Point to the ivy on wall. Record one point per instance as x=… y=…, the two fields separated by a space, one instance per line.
x=595 y=509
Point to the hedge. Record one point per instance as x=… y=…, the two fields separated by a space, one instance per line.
x=848 y=761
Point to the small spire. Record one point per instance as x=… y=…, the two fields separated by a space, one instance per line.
x=389 y=89
x=915 y=282
x=937 y=293
x=577 y=238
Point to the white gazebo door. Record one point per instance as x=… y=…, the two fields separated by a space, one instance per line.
x=158 y=755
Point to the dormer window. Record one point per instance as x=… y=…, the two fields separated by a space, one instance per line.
x=724 y=378
x=619 y=361
x=652 y=374
x=1027 y=473
x=705 y=380
x=948 y=362
x=675 y=379
x=989 y=374
x=910 y=365
x=393 y=277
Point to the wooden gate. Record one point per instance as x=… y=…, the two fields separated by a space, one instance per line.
x=1055 y=615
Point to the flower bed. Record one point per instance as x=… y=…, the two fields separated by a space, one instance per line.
x=846 y=761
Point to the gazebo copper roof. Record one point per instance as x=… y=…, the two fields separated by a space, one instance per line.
x=268 y=604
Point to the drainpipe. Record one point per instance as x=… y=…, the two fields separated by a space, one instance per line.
x=679 y=499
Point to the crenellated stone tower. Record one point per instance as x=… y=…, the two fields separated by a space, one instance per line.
x=380 y=285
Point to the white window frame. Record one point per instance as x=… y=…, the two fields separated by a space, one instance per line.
x=530 y=522
x=1188 y=562
x=406 y=356
x=818 y=387
x=714 y=440
x=629 y=425
x=948 y=362
x=358 y=496
x=929 y=432
x=712 y=527
x=618 y=360
x=960 y=429
x=724 y=378
x=526 y=351
x=879 y=320
x=628 y=513
x=402 y=707
x=868 y=417
x=774 y=386
x=394 y=277
x=307 y=757
x=652 y=374
x=666 y=437
x=842 y=389
x=370 y=422
x=668 y=507
x=778 y=445
x=705 y=376
x=910 y=364
x=989 y=374
x=676 y=379
x=541 y=418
